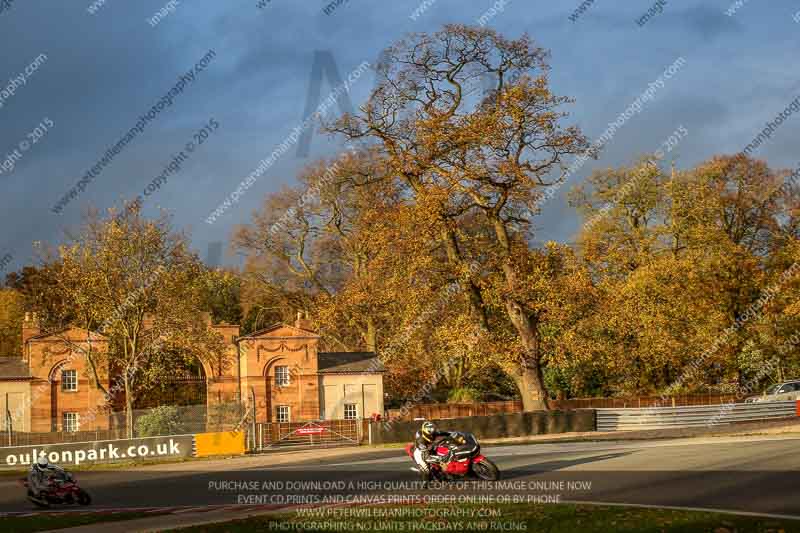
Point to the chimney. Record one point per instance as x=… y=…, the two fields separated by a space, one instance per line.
x=30 y=328
x=229 y=332
x=303 y=323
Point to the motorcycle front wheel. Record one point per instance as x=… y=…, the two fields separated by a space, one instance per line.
x=83 y=497
x=41 y=503
x=486 y=470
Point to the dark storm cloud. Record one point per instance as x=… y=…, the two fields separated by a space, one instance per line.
x=104 y=70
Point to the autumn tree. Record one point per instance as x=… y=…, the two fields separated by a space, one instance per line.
x=38 y=288
x=463 y=155
x=135 y=280
x=309 y=247
x=11 y=314
x=221 y=295
x=417 y=243
x=683 y=261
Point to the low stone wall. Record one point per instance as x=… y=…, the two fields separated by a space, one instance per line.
x=492 y=426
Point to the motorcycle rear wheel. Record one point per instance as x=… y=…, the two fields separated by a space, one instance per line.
x=486 y=470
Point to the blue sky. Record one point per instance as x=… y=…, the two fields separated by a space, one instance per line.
x=104 y=70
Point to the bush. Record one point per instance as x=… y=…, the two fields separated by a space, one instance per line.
x=163 y=420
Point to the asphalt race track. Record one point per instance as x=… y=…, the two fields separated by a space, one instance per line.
x=756 y=474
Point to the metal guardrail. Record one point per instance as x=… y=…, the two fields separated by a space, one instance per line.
x=629 y=419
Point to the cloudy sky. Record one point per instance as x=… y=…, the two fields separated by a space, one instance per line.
x=99 y=72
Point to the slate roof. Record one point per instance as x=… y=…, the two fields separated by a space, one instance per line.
x=12 y=368
x=349 y=362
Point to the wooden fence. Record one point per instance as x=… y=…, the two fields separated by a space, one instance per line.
x=644 y=401
x=455 y=410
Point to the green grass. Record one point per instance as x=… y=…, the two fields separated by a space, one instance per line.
x=560 y=518
x=45 y=521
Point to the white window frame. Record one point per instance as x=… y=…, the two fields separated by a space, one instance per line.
x=279 y=417
x=354 y=411
x=73 y=383
x=70 y=426
x=285 y=379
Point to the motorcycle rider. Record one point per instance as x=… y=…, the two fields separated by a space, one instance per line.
x=40 y=475
x=426 y=438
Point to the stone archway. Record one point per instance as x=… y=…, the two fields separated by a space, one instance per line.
x=189 y=385
x=269 y=382
x=54 y=380
x=224 y=407
x=188 y=389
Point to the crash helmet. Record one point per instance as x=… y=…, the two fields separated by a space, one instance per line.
x=41 y=462
x=428 y=430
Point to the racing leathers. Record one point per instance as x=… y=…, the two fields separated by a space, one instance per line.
x=39 y=478
x=462 y=444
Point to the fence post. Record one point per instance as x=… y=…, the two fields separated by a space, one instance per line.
x=8 y=420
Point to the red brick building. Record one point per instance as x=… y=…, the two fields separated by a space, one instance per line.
x=290 y=380
x=277 y=372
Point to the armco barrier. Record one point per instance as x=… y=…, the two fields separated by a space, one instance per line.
x=691 y=416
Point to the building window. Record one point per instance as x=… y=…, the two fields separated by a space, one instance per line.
x=283 y=413
x=350 y=411
x=69 y=380
x=282 y=376
x=70 y=422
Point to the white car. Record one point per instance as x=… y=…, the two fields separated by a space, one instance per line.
x=786 y=390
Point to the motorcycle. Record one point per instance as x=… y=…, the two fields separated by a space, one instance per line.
x=63 y=490
x=472 y=465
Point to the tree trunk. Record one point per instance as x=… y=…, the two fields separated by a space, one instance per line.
x=528 y=374
x=530 y=383
x=476 y=304
x=128 y=405
x=372 y=335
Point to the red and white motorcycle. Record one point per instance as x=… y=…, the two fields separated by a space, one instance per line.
x=461 y=466
x=62 y=489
